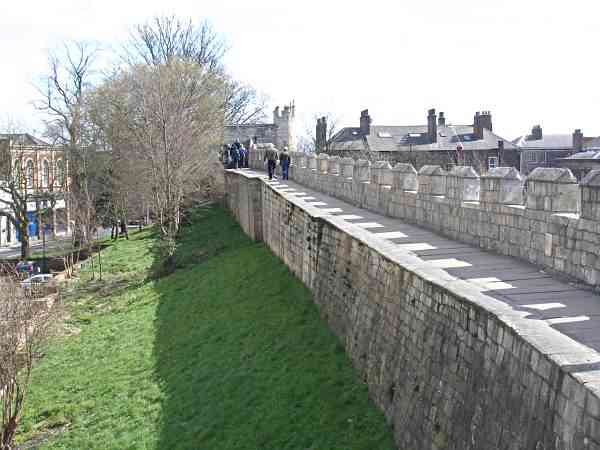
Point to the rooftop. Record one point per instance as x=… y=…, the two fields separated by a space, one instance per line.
x=415 y=138
x=23 y=139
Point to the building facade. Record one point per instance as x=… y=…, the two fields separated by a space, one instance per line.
x=42 y=171
x=281 y=133
x=434 y=143
x=546 y=150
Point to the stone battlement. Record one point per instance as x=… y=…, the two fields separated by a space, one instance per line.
x=546 y=218
x=450 y=367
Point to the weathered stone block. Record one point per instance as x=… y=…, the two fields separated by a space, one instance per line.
x=462 y=184
x=362 y=171
x=334 y=165
x=405 y=177
x=347 y=166
x=381 y=173
x=431 y=181
x=552 y=190
x=502 y=185
x=590 y=196
x=323 y=162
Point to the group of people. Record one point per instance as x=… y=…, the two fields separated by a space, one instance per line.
x=272 y=157
x=235 y=156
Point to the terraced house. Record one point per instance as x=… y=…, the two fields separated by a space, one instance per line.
x=437 y=142
x=33 y=173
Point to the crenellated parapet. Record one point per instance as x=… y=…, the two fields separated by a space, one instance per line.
x=431 y=181
x=501 y=186
x=347 y=167
x=462 y=185
x=362 y=171
x=404 y=177
x=334 y=165
x=590 y=196
x=323 y=163
x=381 y=173
x=547 y=218
x=311 y=162
x=552 y=190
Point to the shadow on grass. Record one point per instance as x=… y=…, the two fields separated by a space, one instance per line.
x=242 y=357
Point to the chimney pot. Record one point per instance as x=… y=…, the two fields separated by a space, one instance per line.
x=536 y=132
x=577 y=140
x=432 y=126
x=365 y=122
x=441 y=119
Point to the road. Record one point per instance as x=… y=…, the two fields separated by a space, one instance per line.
x=15 y=252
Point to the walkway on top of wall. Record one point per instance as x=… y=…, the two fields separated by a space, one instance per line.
x=569 y=308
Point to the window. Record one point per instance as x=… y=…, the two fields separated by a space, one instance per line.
x=531 y=156
x=384 y=134
x=45 y=173
x=60 y=172
x=17 y=172
x=492 y=162
x=29 y=173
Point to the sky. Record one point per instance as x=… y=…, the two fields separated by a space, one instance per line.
x=528 y=61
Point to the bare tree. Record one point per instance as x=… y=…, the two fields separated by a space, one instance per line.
x=168 y=38
x=63 y=97
x=25 y=322
x=169 y=119
x=163 y=39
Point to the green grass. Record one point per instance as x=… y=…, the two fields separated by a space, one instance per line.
x=228 y=352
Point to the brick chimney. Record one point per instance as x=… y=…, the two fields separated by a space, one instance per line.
x=536 y=133
x=431 y=126
x=481 y=121
x=441 y=119
x=500 y=152
x=365 y=122
x=577 y=141
x=321 y=135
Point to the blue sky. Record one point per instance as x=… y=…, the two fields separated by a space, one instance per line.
x=527 y=61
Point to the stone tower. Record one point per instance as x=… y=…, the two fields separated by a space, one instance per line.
x=285 y=130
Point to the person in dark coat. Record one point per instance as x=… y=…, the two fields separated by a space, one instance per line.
x=284 y=160
x=271 y=159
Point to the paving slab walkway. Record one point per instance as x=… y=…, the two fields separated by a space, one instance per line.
x=570 y=308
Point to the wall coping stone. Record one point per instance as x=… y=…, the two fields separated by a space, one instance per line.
x=552 y=175
x=559 y=348
x=503 y=172
x=592 y=179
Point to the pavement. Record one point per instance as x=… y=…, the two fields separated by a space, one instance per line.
x=570 y=308
x=14 y=250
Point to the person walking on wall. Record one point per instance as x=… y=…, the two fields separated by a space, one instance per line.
x=271 y=159
x=284 y=160
x=243 y=157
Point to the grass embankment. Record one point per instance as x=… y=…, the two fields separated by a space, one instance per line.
x=228 y=352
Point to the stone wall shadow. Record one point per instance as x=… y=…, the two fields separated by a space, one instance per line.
x=229 y=383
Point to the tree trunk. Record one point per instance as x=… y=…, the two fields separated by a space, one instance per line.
x=25 y=249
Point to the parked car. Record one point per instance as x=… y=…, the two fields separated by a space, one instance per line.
x=37 y=285
x=27 y=268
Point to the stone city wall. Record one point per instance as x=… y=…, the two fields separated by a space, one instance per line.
x=450 y=367
x=547 y=218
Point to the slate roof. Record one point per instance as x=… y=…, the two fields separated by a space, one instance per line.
x=548 y=142
x=591 y=154
x=414 y=138
x=591 y=143
x=23 y=139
